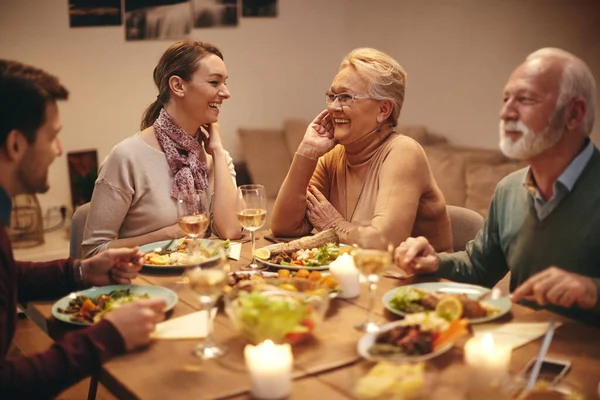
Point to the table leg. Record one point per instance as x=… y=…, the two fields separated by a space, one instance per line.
x=93 y=387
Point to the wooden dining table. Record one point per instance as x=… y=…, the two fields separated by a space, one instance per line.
x=326 y=367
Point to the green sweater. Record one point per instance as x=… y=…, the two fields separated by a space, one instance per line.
x=514 y=239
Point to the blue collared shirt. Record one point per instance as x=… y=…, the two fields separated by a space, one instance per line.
x=5 y=206
x=563 y=185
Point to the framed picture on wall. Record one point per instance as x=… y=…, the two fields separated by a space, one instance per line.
x=157 y=19
x=83 y=172
x=259 y=8
x=215 y=13
x=94 y=13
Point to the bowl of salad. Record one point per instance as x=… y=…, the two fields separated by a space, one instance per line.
x=289 y=311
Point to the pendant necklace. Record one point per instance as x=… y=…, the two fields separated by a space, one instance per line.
x=362 y=188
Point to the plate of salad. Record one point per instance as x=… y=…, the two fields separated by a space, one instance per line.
x=317 y=258
x=89 y=306
x=159 y=257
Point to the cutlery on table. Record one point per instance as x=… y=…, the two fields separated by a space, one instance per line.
x=540 y=357
x=398 y=275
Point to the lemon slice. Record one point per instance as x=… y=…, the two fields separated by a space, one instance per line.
x=450 y=308
x=262 y=254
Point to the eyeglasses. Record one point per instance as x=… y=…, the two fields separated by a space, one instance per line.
x=345 y=99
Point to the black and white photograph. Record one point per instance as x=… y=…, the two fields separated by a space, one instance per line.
x=259 y=8
x=94 y=13
x=157 y=19
x=214 y=13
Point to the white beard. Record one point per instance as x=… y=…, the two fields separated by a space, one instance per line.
x=530 y=144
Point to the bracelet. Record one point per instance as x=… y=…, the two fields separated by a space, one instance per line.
x=78 y=273
x=305 y=156
x=339 y=228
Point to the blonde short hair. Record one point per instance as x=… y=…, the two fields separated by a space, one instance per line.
x=386 y=77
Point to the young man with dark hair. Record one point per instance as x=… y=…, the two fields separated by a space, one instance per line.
x=29 y=143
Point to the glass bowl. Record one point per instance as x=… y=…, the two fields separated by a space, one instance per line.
x=282 y=310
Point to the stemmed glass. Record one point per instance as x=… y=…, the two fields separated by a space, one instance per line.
x=208 y=281
x=193 y=216
x=372 y=255
x=251 y=206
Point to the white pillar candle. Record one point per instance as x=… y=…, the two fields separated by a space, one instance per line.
x=344 y=271
x=490 y=360
x=270 y=367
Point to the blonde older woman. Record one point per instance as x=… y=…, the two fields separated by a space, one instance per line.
x=352 y=168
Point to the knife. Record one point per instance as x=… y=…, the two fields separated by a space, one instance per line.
x=540 y=357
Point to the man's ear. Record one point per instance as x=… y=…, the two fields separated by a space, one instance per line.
x=176 y=86
x=575 y=113
x=386 y=108
x=15 y=145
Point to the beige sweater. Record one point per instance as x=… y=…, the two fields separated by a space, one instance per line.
x=400 y=197
x=132 y=195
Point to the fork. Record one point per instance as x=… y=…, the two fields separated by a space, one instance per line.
x=165 y=249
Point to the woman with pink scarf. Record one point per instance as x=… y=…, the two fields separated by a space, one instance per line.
x=178 y=151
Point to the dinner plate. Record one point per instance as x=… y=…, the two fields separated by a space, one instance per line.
x=368 y=340
x=148 y=248
x=503 y=303
x=152 y=291
x=295 y=267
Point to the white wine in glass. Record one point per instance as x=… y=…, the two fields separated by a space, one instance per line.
x=208 y=281
x=193 y=217
x=251 y=206
x=372 y=256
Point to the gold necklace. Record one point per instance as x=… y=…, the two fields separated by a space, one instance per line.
x=362 y=188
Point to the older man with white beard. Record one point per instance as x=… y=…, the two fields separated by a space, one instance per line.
x=544 y=221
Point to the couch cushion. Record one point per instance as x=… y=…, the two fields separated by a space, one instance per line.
x=267 y=157
x=477 y=155
x=421 y=134
x=481 y=181
x=293 y=132
x=448 y=169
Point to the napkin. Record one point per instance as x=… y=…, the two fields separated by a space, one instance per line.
x=514 y=334
x=235 y=250
x=191 y=326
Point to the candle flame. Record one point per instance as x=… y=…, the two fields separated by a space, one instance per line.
x=268 y=344
x=487 y=342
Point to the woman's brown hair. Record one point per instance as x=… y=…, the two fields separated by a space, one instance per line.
x=181 y=59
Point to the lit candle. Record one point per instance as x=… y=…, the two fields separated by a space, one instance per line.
x=344 y=271
x=490 y=360
x=270 y=367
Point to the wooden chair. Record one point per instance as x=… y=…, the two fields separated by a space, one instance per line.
x=465 y=224
x=77 y=227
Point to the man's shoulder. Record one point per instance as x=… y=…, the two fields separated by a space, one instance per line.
x=513 y=180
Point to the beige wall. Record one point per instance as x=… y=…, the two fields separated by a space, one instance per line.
x=458 y=54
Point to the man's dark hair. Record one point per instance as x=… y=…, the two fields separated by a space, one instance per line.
x=24 y=93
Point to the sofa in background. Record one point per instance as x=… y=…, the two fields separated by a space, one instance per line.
x=466 y=176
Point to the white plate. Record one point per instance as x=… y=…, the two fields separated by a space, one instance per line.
x=368 y=340
x=473 y=291
x=148 y=248
x=152 y=291
x=295 y=267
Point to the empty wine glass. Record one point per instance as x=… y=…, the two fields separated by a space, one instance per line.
x=208 y=281
x=372 y=255
x=193 y=216
x=251 y=206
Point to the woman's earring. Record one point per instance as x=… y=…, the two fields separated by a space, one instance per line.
x=379 y=128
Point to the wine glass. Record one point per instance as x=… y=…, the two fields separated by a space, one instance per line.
x=193 y=216
x=251 y=206
x=208 y=281
x=372 y=255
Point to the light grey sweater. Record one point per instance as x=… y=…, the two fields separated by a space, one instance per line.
x=132 y=194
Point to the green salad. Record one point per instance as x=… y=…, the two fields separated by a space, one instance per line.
x=408 y=300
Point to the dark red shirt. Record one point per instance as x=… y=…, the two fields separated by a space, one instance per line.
x=76 y=355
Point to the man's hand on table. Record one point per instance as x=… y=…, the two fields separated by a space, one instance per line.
x=136 y=321
x=557 y=286
x=113 y=266
x=416 y=256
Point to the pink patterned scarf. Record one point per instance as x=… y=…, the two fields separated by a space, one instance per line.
x=183 y=155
